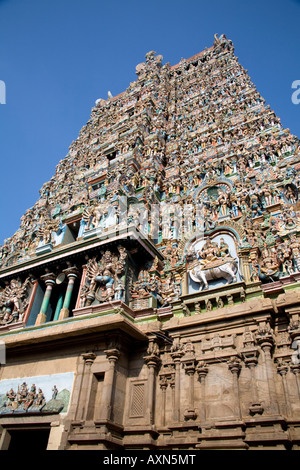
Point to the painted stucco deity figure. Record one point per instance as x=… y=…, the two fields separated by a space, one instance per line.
x=223 y=203
x=14 y=299
x=208 y=253
x=11 y=398
x=30 y=397
x=214 y=262
x=104 y=276
x=46 y=229
x=223 y=249
x=93 y=215
x=40 y=398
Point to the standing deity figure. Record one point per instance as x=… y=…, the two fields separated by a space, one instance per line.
x=223 y=203
x=14 y=300
x=55 y=392
x=93 y=215
x=40 y=398
x=104 y=277
x=47 y=228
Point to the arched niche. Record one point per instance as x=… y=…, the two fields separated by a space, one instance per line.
x=225 y=243
x=212 y=189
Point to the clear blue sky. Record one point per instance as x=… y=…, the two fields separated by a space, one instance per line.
x=57 y=57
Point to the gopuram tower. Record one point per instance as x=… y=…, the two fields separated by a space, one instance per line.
x=150 y=298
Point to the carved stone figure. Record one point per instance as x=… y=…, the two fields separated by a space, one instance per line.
x=14 y=300
x=104 y=277
x=29 y=401
x=213 y=262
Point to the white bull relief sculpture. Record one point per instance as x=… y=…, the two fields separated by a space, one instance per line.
x=213 y=262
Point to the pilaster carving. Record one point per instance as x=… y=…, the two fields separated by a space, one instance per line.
x=295 y=368
x=189 y=363
x=202 y=371
x=282 y=369
x=85 y=386
x=234 y=365
x=166 y=377
x=112 y=355
x=177 y=352
x=153 y=361
x=265 y=338
x=250 y=355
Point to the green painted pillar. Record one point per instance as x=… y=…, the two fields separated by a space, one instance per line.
x=72 y=275
x=49 y=280
x=58 y=306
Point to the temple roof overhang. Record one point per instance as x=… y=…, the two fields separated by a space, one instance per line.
x=130 y=237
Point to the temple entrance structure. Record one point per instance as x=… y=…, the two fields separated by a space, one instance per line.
x=150 y=298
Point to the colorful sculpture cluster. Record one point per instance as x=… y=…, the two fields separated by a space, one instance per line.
x=29 y=400
x=197 y=139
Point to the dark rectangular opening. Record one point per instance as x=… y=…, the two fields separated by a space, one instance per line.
x=112 y=155
x=71 y=233
x=25 y=439
x=97 y=185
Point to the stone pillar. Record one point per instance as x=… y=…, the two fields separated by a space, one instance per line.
x=109 y=384
x=72 y=274
x=189 y=363
x=267 y=347
x=282 y=369
x=264 y=338
x=153 y=361
x=4 y=439
x=202 y=371
x=294 y=331
x=167 y=377
x=295 y=368
x=234 y=365
x=190 y=413
x=163 y=385
x=176 y=356
x=58 y=306
x=172 y=386
x=250 y=356
x=177 y=389
x=49 y=280
x=86 y=382
x=55 y=437
x=251 y=361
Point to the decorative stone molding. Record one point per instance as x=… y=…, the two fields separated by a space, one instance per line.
x=250 y=355
x=219 y=343
x=88 y=358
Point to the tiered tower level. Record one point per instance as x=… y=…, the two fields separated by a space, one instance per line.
x=173 y=225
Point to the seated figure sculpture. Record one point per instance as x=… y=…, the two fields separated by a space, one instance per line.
x=212 y=255
x=212 y=262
